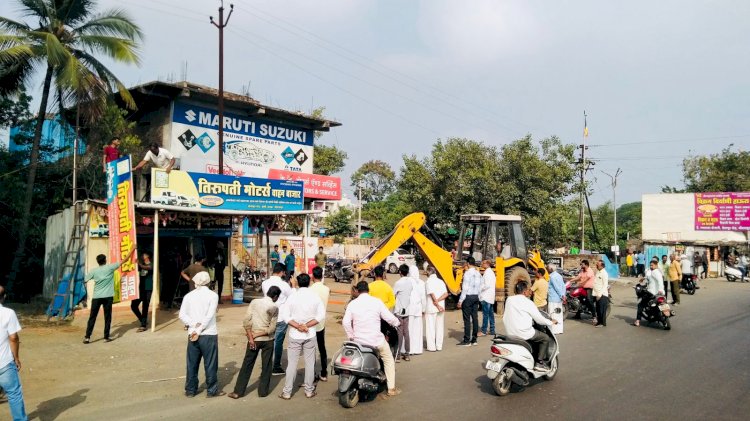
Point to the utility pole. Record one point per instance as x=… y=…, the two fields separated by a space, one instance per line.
x=359 y=217
x=614 y=197
x=582 y=162
x=75 y=152
x=221 y=25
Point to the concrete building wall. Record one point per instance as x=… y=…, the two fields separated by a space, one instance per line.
x=670 y=218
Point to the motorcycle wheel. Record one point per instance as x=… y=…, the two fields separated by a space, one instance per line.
x=552 y=369
x=691 y=290
x=350 y=398
x=501 y=384
x=665 y=322
x=565 y=311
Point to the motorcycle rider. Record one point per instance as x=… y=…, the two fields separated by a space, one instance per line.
x=361 y=323
x=654 y=284
x=586 y=278
x=520 y=315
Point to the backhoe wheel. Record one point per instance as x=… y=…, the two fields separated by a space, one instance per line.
x=513 y=276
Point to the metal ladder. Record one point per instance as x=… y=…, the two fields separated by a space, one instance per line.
x=62 y=302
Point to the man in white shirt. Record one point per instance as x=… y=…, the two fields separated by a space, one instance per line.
x=520 y=315
x=601 y=294
x=158 y=157
x=302 y=312
x=320 y=330
x=654 y=284
x=435 y=312
x=487 y=299
x=10 y=362
x=361 y=323
x=286 y=291
x=686 y=264
x=471 y=286
x=198 y=313
x=402 y=290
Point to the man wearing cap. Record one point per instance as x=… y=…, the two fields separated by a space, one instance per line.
x=198 y=312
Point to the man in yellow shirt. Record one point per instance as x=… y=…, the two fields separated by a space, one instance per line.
x=381 y=290
x=539 y=289
x=629 y=263
x=675 y=275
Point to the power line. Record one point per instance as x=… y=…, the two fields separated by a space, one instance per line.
x=275 y=19
x=648 y=142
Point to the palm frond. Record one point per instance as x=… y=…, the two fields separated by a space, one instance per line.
x=119 y=49
x=114 y=22
x=12 y=26
x=38 y=9
x=16 y=75
x=73 y=12
x=56 y=52
x=107 y=77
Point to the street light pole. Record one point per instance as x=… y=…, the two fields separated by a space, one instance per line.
x=359 y=212
x=221 y=25
x=614 y=196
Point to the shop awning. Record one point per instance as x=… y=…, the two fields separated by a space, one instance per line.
x=145 y=205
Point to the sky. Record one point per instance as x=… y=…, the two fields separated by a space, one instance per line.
x=659 y=81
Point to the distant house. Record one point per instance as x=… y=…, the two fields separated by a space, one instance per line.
x=57 y=138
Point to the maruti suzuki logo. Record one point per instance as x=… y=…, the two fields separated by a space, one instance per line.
x=190 y=115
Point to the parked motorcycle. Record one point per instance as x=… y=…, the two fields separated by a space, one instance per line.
x=248 y=278
x=360 y=369
x=342 y=272
x=512 y=361
x=576 y=298
x=657 y=310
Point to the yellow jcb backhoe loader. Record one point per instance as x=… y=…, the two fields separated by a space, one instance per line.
x=498 y=238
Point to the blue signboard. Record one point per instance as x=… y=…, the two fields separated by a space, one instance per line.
x=226 y=192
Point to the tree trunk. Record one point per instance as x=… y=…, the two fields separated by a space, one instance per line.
x=29 y=198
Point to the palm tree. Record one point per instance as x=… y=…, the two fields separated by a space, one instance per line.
x=64 y=40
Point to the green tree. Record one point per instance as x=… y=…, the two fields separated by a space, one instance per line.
x=384 y=215
x=376 y=178
x=340 y=224
x=727 y=171
x=14 y=109
x=328 y=160
x=64 y=40
x=524 y=177
x=628 y=222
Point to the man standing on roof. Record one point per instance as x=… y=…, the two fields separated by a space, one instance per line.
x=111 y=152
x=159 y=158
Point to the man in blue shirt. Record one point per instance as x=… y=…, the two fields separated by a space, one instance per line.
x=555 y=295
x=471 y=286
x=640 y=260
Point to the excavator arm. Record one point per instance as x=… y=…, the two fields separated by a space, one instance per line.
x=409 y=228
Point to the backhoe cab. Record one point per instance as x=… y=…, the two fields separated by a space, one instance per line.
x=498 y=238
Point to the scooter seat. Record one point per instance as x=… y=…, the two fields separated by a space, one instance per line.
x=514 y=341
x=363 y=348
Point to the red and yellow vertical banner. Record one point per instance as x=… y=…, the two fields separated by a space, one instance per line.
x=122 y=237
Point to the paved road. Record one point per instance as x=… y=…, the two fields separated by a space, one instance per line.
x=699 y=370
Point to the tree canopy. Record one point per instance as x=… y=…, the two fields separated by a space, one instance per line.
x=328 y=160
x=728 y=171
x=376 y=178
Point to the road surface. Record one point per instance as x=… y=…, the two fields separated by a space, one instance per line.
x=698 y=370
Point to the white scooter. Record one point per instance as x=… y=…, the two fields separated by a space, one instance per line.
x=733 y=274
x=512 y=361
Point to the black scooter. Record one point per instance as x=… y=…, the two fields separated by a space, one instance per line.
x=360 y=369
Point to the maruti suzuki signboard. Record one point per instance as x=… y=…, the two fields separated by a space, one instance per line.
x=252 y=146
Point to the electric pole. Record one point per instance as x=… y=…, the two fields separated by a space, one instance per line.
x=221 y=25
x=614 y=197
x=359 y=212
x=582 y=162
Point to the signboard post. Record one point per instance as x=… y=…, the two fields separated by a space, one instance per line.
x=122 y=237
x=722 y=211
